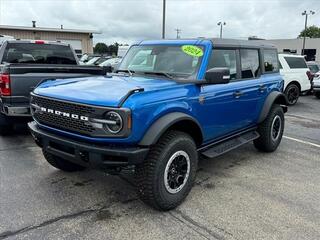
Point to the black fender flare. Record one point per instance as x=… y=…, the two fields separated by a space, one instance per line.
x=161 y=125
x=273 y=97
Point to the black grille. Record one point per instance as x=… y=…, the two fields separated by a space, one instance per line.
x=62 y=122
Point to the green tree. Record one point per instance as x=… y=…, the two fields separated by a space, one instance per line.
x=311 y=32
x=101 y=48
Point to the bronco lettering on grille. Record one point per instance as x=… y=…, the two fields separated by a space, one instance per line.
x=64 y=114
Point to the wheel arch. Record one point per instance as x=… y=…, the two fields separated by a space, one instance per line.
x=274 y=97
x=296 y=82
x=173 y=121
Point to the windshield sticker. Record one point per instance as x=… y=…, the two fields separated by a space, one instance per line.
x=193 y=51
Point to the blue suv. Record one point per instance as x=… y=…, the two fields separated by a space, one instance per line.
x=168 y=103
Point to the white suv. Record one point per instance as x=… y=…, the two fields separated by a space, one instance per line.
x=295 y=73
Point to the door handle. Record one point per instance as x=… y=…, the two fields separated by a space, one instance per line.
x=237 y=94
x=262 y=88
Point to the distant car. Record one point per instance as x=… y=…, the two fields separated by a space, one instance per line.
x=295 y=73
x=4 y=38
x=92 y=61
x=102 y=60
x=314 y=68
x=112 y=61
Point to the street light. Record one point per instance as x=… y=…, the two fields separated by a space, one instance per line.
x=304 y=13
x=221 y=24
x=164 y=19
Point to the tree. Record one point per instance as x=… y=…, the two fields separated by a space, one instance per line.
x=311 y=32
x=101 y=48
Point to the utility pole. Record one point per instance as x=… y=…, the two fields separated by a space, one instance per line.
x=221 y=24
x=164 y=19
x=304 y=13
x=178 y=32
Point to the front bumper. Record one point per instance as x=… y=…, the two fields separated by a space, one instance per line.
x=87 y=154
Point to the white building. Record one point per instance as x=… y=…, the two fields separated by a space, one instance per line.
x=312 y=47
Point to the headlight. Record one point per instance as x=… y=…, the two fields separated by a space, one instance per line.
x=114 y=122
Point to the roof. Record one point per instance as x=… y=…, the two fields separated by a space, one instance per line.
x=219 y=42
x=291 y=55
x=42 y=29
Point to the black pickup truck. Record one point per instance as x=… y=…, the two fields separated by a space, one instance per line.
x=23 y=65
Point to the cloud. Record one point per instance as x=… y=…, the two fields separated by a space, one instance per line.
x=126 y=21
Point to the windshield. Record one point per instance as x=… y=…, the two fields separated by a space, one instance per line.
x=314 y=68
x=177 y=61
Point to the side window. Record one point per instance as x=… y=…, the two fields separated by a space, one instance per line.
x=271 y=61
x=296 y=62
x=250 y=66
x=224 y=58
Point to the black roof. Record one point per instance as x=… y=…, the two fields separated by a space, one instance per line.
x=240 y=43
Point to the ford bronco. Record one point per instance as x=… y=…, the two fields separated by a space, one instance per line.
x=168 y=102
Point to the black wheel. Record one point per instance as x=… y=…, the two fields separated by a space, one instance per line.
x=292 y=92
x=61 y=163
x=167 y=175
x=271 y=130
x=5 y=126
x=317 y=94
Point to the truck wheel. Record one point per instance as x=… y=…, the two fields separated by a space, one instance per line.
x=167 y=175
x=61 y=163
x=317 y=94
x=5 y=126
x=292 y=92
x=271 y=130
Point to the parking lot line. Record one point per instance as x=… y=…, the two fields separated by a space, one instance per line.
x=302 y=141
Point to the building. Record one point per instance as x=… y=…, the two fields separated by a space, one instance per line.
x=80 y=40
x=312 y=47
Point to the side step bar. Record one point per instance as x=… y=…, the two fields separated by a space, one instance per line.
x=230 y=144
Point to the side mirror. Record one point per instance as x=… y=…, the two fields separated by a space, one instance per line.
x=218 y=75
x=107 y=69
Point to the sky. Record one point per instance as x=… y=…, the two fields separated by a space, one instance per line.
x=127 y=21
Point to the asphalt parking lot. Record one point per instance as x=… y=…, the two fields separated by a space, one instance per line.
x=244 y=194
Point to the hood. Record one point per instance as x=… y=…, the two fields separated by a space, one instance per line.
x=100 y=91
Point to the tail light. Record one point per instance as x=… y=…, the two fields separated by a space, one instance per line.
x=310 y=75
x=5 y=89
x=39 y=42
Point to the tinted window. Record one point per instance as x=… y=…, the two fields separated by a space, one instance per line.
x=314 y=68
x=271 y=61
x=224 y=58
x=296 y=62
x=38 y=54
x=250 y=67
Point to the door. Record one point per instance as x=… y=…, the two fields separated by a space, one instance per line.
x=228 y=108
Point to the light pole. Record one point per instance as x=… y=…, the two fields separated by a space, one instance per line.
x=178 y=32
x=304 y=13
x=221 y=24
x=164 y=19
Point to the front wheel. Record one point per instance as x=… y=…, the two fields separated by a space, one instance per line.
x=167 y=175
x=317 y=94
x=292 y=92
x=271 y=130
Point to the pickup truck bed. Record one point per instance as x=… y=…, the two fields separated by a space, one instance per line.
x=25 y=77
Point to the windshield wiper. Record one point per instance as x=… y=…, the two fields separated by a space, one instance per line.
x=131 y=72
x=168 y=75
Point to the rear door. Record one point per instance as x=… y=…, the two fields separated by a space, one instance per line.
x=228 y=108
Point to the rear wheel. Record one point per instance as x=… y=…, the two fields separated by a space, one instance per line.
x=292 y=92
x=61 y=163
x=317 y=94
x=5 y=126
x=167 y=175
x=271 y=130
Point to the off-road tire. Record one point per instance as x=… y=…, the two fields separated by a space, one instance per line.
x=317 y=94
x=292 y=93
x=266 y=143
x=61 y=163
x=150 y=175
